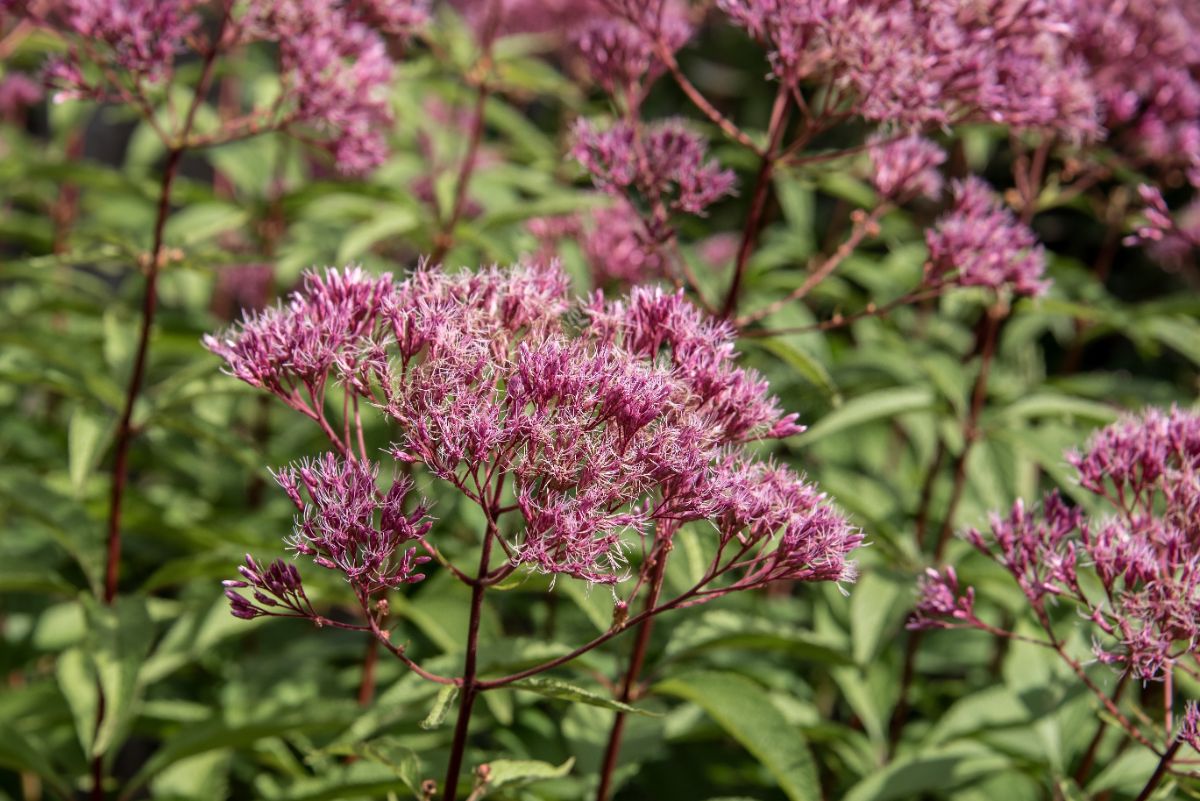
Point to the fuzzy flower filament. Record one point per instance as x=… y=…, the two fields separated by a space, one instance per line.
x=631 y=418
x=1141 y=552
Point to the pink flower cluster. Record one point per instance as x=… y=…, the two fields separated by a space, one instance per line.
x=337 y=70
x=980 y=242
x=140 y=37
x=620 y=53
x=347 y=526
x=916 y=62
x=1144 y=65
x=602 y=421
x=664 y=164
x=1144 y=551
x=906 y=167
x=333 y=59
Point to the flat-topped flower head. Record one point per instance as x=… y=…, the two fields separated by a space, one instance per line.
x=609 y=419
x=1143 y=549
x=333 y=61
x=910 y=62
x=665 y=163
x=980 y=242
x=906 y=167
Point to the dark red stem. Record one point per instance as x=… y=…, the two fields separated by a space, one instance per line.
x=758 y=202
x=1160 y=771
x=629 y=686
x=470 y=687
x=125 y=426
x=125 y=430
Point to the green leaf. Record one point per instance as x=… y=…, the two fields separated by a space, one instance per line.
x=1051 y=404
x=399 y=758
x=561 y=690
x=76 y=677
x=516 y=772
x=391 y=221
x=441 y=707
x=936 y=770
x=803 y=363
x=721 y=628
x=199 y=738
x=878 y=405
x=123 y=634
x=201 y=221
x=85 y=433
x=875 y=605
x=596 y=606
x=1127 y=773
x=745 y=712
x=19 y=753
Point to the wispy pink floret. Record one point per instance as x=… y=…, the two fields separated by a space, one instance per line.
x=346 y=524
x=1144 y=550
x=620 y=54
x=941 y=602
x=610 y=419
x=906 y=167
x=980 y=242
x=289 y=350
x=141 y=37
x=664 y=163
x=913 y=63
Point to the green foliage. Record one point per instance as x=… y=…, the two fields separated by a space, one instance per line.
x=788 y=694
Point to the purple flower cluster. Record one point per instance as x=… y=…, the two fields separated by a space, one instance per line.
x=665 y=164
x=139 y=37
x=337 y=70
x=334 y=62
x=290 y=350
x=1144 y=64
x=979 y=242
x=1143 y=552
x=632 y=418
x=619 y=53
x=906 y=167
x=275 y=590
x=346 y=525
x=916 y=62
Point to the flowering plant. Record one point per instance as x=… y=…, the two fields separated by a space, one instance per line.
x=954 y=238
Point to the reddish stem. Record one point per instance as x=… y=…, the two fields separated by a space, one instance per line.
x=1164 y=764
x=366 y=689
x=445 y=236
x=470 y=687
x=125 y=430
x=629 y=687
x=995 y=315
x=758 y=202
x=1089 y=756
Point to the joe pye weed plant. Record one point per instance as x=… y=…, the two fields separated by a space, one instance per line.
x=539 y=319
